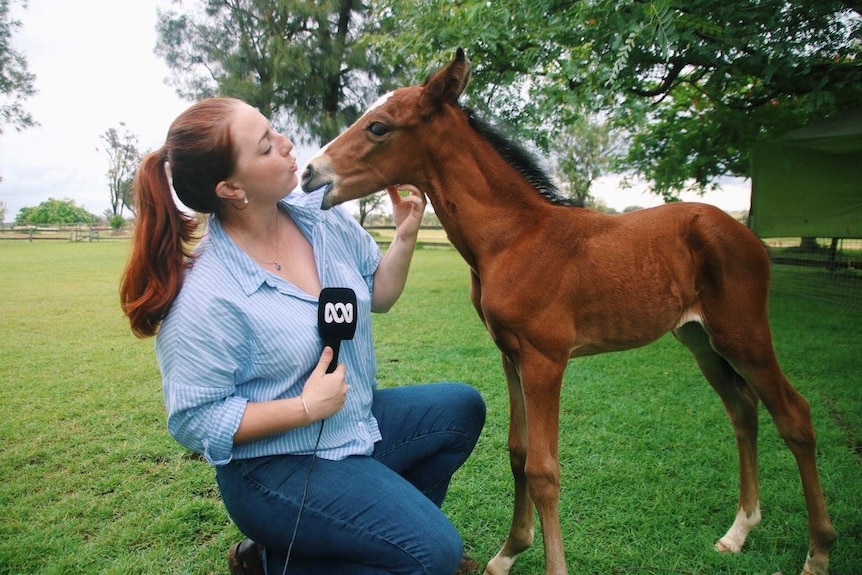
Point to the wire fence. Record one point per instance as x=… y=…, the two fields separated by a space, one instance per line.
x=825 y=269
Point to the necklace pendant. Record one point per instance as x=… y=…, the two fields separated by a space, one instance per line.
x=277 y=266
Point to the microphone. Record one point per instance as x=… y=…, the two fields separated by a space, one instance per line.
x=336 y=319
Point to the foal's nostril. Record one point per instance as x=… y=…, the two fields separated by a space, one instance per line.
x=307 y=174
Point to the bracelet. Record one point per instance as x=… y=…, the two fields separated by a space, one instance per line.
x=305 y=407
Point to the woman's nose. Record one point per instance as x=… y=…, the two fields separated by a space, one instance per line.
x=287 y=146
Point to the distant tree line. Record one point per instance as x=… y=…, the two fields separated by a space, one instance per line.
x=54 y=211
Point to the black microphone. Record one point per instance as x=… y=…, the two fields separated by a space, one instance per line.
x=336 y=319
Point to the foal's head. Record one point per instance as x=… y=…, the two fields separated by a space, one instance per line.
x=383 y=147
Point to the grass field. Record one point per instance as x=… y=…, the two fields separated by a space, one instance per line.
x=91 y=483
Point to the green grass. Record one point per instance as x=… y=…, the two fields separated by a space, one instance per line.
x=90 y=481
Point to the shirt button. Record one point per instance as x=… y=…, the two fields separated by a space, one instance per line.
x=361 y=425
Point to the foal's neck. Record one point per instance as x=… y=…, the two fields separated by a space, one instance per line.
x=485 y=206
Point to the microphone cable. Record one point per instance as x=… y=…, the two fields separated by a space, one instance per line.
x=302 y=501
x=336 y=322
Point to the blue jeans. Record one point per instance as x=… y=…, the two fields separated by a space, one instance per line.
x=365 y=515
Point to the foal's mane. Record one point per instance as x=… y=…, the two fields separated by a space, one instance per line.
x=521 y=159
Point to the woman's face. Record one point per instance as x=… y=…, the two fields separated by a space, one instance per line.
x=265 y=167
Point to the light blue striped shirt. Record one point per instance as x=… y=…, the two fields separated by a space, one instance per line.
x=237 y=333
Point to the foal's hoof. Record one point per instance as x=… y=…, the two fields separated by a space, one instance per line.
x=726 y=545
x=816 y=565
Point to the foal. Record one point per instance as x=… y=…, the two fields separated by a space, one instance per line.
x=552 y=281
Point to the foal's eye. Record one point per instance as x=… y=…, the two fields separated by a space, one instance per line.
x=377 y=128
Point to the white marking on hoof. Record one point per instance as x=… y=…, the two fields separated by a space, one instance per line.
x=734 y=539
x=815 y=566
x=499 y=565
x=502 y=562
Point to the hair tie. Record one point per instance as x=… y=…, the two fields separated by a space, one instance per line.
x=170 y=177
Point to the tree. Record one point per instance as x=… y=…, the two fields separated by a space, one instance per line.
x=719 y=76
x=3 y=209
x=302 y=64
x=582 y=152
x=53 y=211
x=368 y=205
x=695 y=83
x=121 y=148
x=305 y=65
x=16 y=83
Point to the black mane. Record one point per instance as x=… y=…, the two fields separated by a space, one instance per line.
x=522 y=160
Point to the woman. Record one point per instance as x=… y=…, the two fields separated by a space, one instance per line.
x=244 y=370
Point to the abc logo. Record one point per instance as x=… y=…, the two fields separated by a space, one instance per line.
x=338 y=312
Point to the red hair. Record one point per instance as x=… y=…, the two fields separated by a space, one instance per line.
x=199 y=151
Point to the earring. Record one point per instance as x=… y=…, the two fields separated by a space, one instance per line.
x=241 y=207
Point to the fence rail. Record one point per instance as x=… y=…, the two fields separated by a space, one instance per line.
x=824 y=269
x=65 y=232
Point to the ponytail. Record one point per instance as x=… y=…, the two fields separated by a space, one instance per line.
x=160 y=248
x=199 y=153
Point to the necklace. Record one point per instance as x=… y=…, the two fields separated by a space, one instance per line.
x=249 y=252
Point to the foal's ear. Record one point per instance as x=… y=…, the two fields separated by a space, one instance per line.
x=446 y=85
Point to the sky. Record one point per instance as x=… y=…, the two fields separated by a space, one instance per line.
x=95 y=68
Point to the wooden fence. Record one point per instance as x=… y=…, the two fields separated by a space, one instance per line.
x=63 y=232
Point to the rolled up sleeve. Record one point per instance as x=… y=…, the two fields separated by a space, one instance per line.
x=207 y=429
x=201 y=362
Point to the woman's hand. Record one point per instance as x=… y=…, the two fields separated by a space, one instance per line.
x=324 y=393
x=407 y=211
x=322 y=396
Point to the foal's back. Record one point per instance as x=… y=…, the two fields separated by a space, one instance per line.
x=628 y=279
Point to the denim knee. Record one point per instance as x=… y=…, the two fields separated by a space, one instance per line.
x=442 y=553
x=471 y=405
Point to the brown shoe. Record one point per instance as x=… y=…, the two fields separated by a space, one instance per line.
x=466 y=566
x=245 y=558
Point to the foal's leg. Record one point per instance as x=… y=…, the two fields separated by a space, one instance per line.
x=754 y=358
x=541 y=380
x=740 y=403
x=521 y=532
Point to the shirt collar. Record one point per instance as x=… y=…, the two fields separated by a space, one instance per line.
x=306 y=213
x=247 y=274
x=305 y=208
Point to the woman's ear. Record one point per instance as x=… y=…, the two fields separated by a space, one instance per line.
x=228 y=191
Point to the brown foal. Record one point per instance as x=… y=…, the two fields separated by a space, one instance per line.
x=553 y=281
